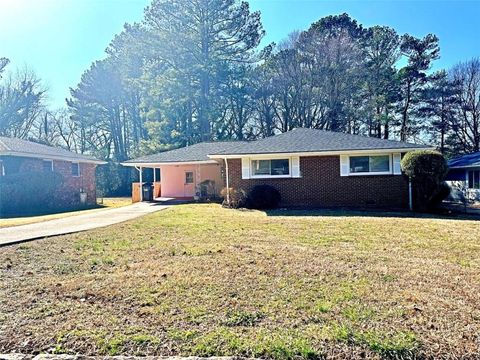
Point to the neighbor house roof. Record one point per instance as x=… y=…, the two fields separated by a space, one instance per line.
x=18 y=147
x=469 y=160
x=302 y=140
x=197 y=153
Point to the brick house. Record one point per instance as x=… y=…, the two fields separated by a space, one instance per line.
x=309 y=167
x=73 y=175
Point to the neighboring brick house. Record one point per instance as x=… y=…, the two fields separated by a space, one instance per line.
x=73 y=174
x=309 y=167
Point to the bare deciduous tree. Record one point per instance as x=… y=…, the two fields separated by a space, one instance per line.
x=466 y=123
x=22 y=100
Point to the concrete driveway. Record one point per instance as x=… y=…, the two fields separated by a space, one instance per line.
x=76 y=223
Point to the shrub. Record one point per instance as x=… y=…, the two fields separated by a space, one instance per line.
x=206 y=190
x=238 y=198
x=32 y=192
x=427 y=170
x=264 y=197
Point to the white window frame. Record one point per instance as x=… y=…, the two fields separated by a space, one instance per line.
x=473 y=180
x=79 y=169
x=390 y=165
x=2 y=169
x=51 y=163
x=289 y=175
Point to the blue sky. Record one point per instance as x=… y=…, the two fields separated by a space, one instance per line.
x=59 y=39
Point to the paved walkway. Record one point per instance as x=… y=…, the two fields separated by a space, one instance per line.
x=76 y=223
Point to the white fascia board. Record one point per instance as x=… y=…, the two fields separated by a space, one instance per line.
x=464 y=167
x=318 y=153
x=155 y=164
x=53 y=157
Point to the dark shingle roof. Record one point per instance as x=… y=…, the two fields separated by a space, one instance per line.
x=465 y=160
x=295 y=141
x=196 y=152
x=313 y=140
x=19 y=147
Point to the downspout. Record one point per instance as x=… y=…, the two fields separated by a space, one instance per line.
x=410 y=196
x=227 y=181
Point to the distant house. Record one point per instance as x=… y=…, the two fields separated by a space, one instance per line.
x=465 y=174
x=309 y=167
x=73 y=174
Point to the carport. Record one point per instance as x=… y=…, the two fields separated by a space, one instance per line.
x=180 y=180
x=184 y=173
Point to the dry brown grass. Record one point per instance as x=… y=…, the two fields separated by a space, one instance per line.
x=203 y=280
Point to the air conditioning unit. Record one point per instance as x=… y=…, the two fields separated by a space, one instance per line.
x=83 y=197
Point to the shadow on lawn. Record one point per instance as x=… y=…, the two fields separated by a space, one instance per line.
x=444 y=214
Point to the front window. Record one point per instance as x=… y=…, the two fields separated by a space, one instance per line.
x=274 y=167
x=189 y=177
x=474 y=179
x=47 y=165
x=75 y=169
x=370 y=164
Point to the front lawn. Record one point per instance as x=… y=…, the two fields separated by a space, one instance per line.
x=203 y=280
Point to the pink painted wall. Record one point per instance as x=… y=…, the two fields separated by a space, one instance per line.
x=173 y=179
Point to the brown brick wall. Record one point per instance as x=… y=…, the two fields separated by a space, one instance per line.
x=322 y=186
x=67 y=193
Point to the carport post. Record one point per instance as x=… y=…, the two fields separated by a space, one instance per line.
x=141 y=184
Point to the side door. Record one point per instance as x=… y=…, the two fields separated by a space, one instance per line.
x=189 y=183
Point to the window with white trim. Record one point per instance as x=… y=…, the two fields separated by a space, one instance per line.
x=47 y=165
x=271 y=167
x=75 y=169
x=474 y=179
x=378 y=164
